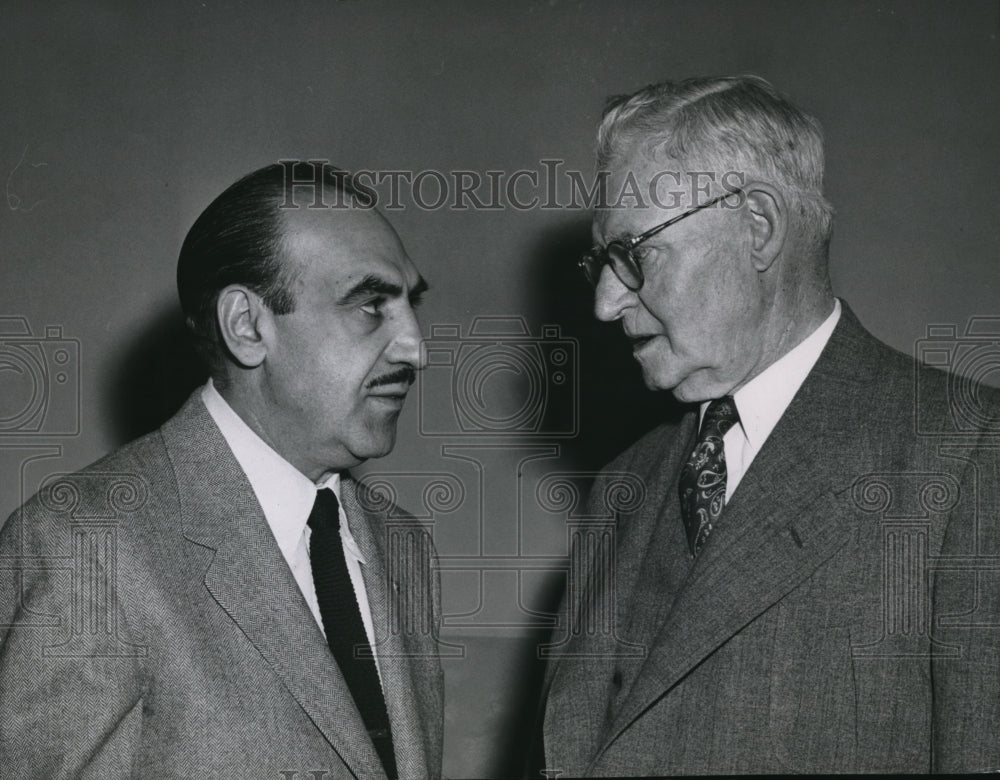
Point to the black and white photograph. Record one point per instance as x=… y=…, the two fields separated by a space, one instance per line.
x=540 y=389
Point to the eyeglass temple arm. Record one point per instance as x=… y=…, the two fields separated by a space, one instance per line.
x=636 y=240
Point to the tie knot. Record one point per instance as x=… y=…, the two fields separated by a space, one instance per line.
x=720 y=416
x=326 y=510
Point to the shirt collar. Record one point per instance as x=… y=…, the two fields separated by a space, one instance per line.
x=763 y=400
x=284 y=493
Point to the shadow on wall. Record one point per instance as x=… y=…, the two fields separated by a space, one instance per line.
x=615 y=406
x=154 y=377
x=615 y=409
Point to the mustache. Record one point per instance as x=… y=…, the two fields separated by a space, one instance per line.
x=404 y=374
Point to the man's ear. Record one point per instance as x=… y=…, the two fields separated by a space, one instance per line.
x=241 y=313
x=768 y=222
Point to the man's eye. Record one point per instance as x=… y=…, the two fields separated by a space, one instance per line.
x=641 y=253
x=373 y=307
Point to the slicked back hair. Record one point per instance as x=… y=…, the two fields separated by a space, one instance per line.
x=238 y=239
x=721 y=124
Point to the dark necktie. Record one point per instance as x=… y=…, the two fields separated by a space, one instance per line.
x=345 y=631
x=703 y=478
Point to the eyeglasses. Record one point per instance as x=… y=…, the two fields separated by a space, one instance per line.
x=618 y=253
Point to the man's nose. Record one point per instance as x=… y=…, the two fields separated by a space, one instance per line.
x=611 y=297
x=406 y=344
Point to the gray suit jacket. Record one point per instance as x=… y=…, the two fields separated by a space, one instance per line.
x=843 y=616
x=150 y=627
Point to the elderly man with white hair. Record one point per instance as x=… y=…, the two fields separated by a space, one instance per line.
x=808 y=585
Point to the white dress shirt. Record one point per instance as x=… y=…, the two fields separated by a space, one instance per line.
x=763 y=400
x=287 y=496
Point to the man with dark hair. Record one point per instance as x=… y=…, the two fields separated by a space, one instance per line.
x=810 y=584
x=218 y=598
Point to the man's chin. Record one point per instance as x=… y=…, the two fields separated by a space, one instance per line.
x=655 y=378
x=686 y=397
x=696 y=390
x=685 y=389
x=377 y=445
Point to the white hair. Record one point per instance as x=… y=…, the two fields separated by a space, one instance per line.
x=733 y=123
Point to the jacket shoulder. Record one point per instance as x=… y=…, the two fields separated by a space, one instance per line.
x=113 y=487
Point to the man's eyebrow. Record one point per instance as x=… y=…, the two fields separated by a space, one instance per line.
x=622 y=234
x=417 y=291
x=373 y=284
x=614 y=234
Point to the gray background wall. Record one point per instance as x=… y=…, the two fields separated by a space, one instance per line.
x=119 y=122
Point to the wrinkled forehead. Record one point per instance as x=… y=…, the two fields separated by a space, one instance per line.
x=643 y=189
x=343 y=245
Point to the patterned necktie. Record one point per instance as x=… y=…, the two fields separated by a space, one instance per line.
x=703 y=478
x=345 y=631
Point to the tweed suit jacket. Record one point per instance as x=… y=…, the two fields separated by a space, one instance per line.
x=150 y=627
x=844 y=615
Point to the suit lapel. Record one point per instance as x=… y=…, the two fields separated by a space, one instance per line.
x=665 y=561
x=250 y=580
x=785 y=519
x=406 y=656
